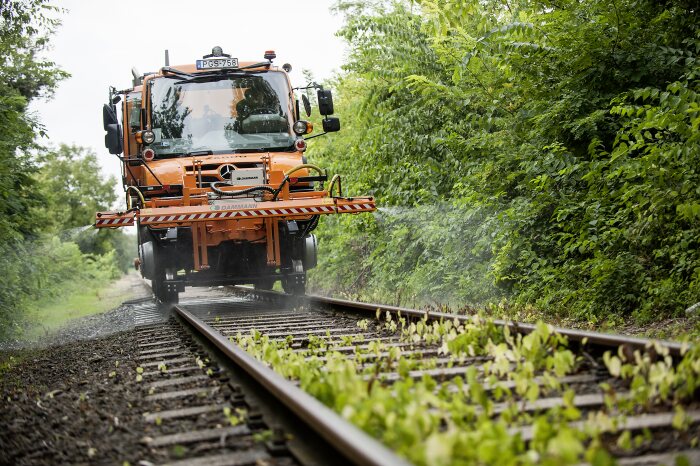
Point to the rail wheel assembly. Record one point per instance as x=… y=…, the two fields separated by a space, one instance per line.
x=153 y=258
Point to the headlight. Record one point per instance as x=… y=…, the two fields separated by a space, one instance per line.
x=148 y=137
x=302 y=127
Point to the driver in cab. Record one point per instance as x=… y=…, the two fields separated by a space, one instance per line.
x=256 y=102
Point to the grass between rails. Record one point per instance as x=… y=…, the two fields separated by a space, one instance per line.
x=479 y=418
x=79 y=300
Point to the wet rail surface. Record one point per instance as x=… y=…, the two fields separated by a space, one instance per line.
x=196 y=414
x=200 y=372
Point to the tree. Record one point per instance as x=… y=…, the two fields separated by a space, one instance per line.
x=42 y=192
x=550 y=146
x=24 y=32
x=72 y=187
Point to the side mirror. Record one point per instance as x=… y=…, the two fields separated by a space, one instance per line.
x=307 y=105
x=109 y=115
x=113 y=139
x=331 y=124
x=325 y=102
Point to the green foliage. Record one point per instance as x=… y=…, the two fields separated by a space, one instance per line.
x=43 y=193
x=44 y=269
x=24 y=30
x=72 y=187
x=68 y=254
x=477 y=418
x=544 y=153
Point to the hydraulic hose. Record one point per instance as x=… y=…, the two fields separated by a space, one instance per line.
x=293 y=170
x=274 y=192
x=311 y=225
x=302 y=166
x=240 y=192
x=138 y=193
x=335 y=178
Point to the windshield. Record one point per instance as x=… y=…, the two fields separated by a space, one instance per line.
x=220 y=114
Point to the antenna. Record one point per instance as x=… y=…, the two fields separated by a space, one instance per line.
x=167 y=58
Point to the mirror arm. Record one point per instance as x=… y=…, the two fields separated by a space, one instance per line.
x=124 y=160
x=142 y=162
x=315 y=136
x=309 y=86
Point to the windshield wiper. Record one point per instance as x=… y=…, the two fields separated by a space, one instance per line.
x=194 y=153
x=263 y=149
x=167 y=69
x=208 y=78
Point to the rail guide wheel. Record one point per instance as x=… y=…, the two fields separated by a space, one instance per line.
x=295 y=283
x=164 y=291
x=264 y=284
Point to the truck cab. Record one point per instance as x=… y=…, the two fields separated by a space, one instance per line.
x=215 y=176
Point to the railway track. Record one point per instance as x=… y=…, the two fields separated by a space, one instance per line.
x=233 y=409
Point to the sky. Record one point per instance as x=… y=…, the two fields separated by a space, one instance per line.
x=99 y=42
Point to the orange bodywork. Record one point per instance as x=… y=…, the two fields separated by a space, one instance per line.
x=172 y=192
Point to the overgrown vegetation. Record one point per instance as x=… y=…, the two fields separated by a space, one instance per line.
x=543 y=153
x=47 y=196
x=480 y=417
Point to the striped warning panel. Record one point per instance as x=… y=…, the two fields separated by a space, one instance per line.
x=126 y=220
x=251 y=213
x=115 y=222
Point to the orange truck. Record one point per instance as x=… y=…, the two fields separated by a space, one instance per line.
x=215 y=176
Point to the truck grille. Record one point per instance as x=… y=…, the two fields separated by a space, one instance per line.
x=215 y=166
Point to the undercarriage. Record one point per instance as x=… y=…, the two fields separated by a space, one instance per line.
x=165 y=257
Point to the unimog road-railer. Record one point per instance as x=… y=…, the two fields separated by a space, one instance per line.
x=215 y=176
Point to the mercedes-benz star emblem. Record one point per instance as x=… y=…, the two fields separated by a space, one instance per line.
x=226 y=171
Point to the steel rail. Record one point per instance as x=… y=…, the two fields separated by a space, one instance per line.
x=352 y=442
x=595 y=338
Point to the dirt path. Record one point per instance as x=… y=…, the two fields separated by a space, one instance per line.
x=71 y=404
x=74 y=397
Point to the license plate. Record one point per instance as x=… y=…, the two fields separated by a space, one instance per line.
x=217 y=63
